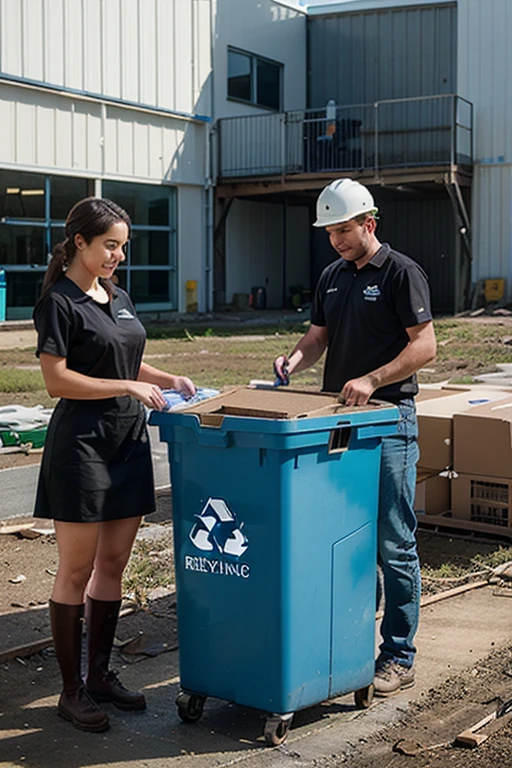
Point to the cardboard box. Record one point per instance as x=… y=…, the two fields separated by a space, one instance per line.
x=436 y=420
x=483 y=440
x=432 y=494
x=483 y=499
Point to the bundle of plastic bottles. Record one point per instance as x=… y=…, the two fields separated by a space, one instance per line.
x=176 y=400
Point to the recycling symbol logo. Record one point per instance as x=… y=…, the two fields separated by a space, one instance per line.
x=217 y=529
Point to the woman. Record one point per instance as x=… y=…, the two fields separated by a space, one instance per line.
x=96 y=477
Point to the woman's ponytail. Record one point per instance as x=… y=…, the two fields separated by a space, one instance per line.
x=61 y=256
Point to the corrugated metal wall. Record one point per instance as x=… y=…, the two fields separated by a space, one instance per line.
x=357 y=58
x=149 y=52
x=421 y=227
x=485 y=66
x=154 y=52
x=50 y=132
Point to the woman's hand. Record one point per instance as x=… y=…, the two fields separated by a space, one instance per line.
x=185 y=386
x=149 y=394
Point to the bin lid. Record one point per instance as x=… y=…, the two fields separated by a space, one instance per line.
x=278 y=403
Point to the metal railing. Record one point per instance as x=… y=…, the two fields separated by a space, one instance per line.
x=394 y=133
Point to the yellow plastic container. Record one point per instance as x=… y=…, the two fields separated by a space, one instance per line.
x=191 y=295
x=494 y=290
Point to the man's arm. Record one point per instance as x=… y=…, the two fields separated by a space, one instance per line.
x=419 y=351
x=309 y=349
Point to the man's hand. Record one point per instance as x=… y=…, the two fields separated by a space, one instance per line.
x=358 y=391
x=281 y=365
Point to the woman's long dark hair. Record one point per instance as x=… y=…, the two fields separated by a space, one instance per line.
x=89 y=218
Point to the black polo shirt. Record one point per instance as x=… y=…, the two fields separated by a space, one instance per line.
x=99 y=340
x=366 y=312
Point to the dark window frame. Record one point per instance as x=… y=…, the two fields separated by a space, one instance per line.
x=254 y=58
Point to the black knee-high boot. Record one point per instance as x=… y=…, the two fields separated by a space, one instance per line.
x=75 y=704
x=102 y=684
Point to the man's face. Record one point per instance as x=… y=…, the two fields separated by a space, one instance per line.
x=351 y=239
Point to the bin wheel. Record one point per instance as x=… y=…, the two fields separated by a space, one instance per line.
x=276 y=729
x=364 y=697
x=190 y=706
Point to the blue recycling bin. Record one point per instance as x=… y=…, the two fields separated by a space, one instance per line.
x=275 y=513
x=3 y=295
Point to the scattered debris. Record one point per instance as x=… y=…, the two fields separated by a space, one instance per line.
x=29 y=533
x=412 y=748
x=145 y=646
x=160 y=592
x=18 y=579
x=408 y=747
x=15 y=528
x=475 y=735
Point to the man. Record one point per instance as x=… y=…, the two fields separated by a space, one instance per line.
x=371 y=310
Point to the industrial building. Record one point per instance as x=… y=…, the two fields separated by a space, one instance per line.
x=216 y=123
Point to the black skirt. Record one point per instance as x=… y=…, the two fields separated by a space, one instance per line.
x=96 y=463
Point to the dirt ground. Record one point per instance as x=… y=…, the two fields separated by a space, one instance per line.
x=429 y=727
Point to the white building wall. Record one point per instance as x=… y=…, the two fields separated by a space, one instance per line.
x=255 y=247
x=268 y=29
x=153 y=52
x=45 y=131
x=191 y=250
x=484 y=65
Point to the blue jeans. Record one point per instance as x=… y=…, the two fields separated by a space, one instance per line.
x=397 y=551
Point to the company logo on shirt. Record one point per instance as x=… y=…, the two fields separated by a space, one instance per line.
x=217 y=531
x=331 y=290
x=125 y=314
x=371 y=293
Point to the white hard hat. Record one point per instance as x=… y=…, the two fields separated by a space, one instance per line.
x=342 y=200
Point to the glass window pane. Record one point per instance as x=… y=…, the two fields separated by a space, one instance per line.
x=23 y=288
x=145 y=203
x=239 y=76
x=64 y=193
x=120 y=277
x=22 y=195
x=268 y=84
x=22 y=245
x=151 y=287
x=57 y=235
x=149 y=247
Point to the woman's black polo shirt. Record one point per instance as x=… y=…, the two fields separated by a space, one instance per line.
x=366 y=312
x=99 y=340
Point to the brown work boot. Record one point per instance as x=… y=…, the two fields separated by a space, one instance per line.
x=391 y=677
x=104 y=685
x=74 y=704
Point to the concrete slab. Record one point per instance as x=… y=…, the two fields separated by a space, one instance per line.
x=454 y=634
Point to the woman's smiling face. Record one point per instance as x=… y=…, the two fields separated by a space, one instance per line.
x=105 y=252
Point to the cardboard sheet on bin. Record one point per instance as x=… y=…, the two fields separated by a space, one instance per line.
x=271 y=404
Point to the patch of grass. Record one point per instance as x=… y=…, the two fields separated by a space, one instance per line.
x=463 y=380
x=242 y=329
x=16 y=380
x=150 y=566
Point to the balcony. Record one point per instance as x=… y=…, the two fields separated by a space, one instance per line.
x=392 y=141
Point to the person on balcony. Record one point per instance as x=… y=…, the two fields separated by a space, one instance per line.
x=371 y=312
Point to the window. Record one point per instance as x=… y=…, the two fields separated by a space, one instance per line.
x=33 y=209
x=149 y=272
x=254 y=79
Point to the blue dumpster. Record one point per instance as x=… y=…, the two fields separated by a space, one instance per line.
x=3 y=295
x=275 y=508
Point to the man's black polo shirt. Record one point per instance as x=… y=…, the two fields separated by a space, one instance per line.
x=366 y=312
